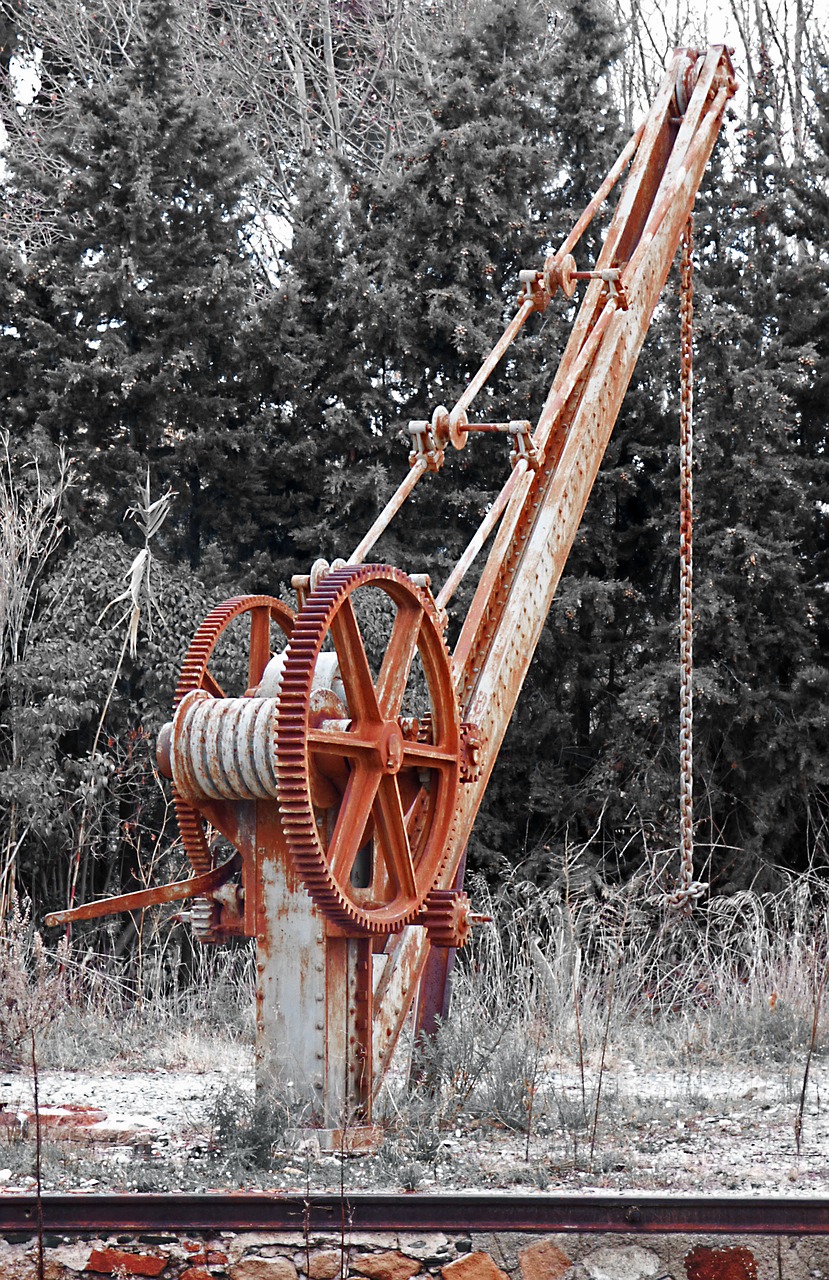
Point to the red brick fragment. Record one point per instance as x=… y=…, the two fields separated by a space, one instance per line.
x=107 y=1261
x=196 y=1273
x=735 y=1263
x=543 y=1261
x=473 y=1266
x=201 y=1257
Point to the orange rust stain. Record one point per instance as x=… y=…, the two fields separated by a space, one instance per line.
x=108 y=1261
x=736 y=1263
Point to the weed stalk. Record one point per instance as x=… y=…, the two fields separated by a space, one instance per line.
x=798 y=1123
x=38 y=1161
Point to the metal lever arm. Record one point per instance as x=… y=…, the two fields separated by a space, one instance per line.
x=176 y=892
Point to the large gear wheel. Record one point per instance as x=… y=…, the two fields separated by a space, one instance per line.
x=196 y=674
x=370 y=841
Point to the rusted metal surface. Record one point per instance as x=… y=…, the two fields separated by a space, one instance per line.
x=197 y=676
x=629 y=1214
x=398 y=971
x=485 y=528
x=142 y=898
x=599 y=198
x=524 y=567
x=389 y=786
x=688 y=890
x=294 y=1024
x=502 y=345
x=349 y=809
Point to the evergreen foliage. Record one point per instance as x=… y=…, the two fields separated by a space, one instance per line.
x=136 y=331
x=552 y=775
x=313 y=477
x=130 y=318
x=442 y=246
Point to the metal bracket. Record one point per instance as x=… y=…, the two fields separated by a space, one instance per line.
x=426 y=447
x=523 y=448
x=534 y=289
x=472 y=743
x=540 y=287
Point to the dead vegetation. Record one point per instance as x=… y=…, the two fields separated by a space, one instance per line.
x=583 y=1023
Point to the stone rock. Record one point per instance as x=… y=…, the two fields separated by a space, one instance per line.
x=391 y=1265
x=65 y=1257
x=735 y=1263
x=425 y=1246
x=621 y=1262
x=473 y=1266
x=325 y=1264
x=258 y=1268
x=543 y=1260
x=15 y=1264
x=504 y=1246
x=108 y=1261
x=238 y=1246
x=196 y=1255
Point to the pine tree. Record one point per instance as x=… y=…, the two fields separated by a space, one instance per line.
x=132 y=317
x=442 y=244
x=549 y=774
x=757 y=739
x=763 y=637
x=313 y=475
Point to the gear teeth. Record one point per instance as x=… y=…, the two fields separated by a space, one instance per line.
x=446 y=915
x=296 y=810
x=193 y=671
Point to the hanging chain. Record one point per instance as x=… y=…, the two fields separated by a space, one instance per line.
x=688 y=890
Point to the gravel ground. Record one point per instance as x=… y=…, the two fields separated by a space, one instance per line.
x=701 y=1130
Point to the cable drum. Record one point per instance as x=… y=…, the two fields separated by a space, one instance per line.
x=223 y=748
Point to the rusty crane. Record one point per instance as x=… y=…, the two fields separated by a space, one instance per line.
x=347 y=780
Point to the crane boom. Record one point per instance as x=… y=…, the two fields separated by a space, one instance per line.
x=539 y=526
x=347 y=785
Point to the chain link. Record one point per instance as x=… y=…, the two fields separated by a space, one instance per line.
x=688 y=890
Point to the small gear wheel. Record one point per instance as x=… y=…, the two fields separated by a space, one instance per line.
x=447 y=916
x=472 y=744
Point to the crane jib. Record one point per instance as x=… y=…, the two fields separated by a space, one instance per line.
x=347 y=782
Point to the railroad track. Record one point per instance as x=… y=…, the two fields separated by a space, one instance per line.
x=260 y=1211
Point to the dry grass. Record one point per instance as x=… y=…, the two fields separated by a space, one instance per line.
x=559 y=978
x=569 y=987
x=572 y=984
x=617 y=971
x=91 y=1011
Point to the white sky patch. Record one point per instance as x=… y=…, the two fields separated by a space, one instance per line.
x=270 y=235
x=25 y=76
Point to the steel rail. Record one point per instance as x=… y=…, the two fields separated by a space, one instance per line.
x=260 y=1211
